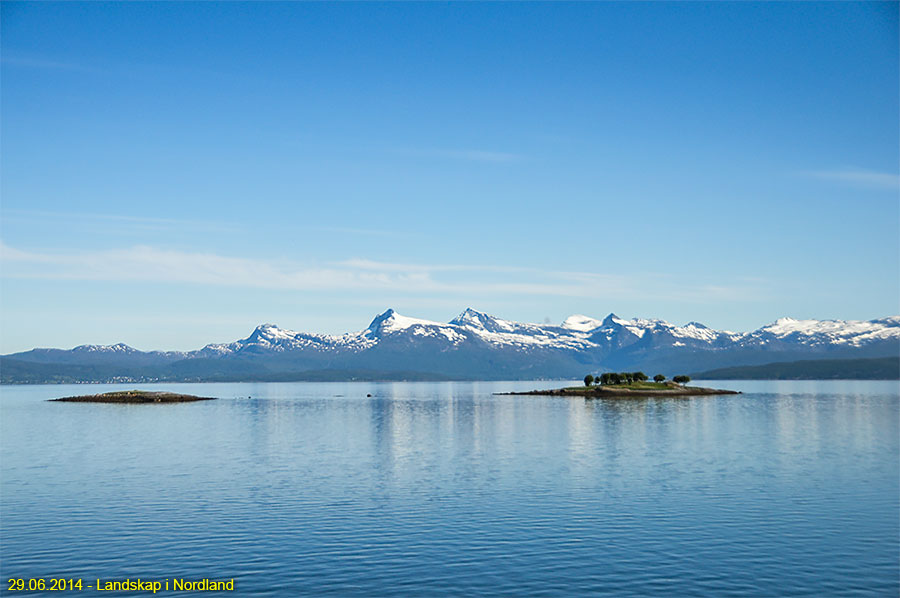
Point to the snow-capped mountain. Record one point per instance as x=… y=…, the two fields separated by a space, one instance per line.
x=479 y=345
x=824 y=333
x=390 y=324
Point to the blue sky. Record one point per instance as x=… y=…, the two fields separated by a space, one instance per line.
x=174 y=173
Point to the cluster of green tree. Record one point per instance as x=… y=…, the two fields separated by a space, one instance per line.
x=629 y=377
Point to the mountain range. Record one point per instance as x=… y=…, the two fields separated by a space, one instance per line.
x=474 y=345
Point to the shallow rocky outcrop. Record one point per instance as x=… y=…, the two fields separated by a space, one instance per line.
x=135 y=396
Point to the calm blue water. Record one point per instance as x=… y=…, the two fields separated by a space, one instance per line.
x=792 y=489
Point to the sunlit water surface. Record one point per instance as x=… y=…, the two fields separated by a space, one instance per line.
x=440 y=489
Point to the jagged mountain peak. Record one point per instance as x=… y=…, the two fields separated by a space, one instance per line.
x=473 y=318
x=267 y=328
x=613 y=320
x=481 y=321
x=270 y=332
x=470 y=313
x=381 y=318
x=390 y=321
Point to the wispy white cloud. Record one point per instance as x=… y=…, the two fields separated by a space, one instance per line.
x=150 y=264
x=859 y=177
x=124 y=224
x=366 y=264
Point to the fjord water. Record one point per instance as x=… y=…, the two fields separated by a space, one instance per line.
x=431 y=489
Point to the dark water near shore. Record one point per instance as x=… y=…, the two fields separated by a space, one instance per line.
x=434 y=489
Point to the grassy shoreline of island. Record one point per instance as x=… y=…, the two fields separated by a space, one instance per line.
x=621 y=391
x=629 y=384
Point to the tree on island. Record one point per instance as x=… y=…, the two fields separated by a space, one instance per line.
x=588 y=380
x=615 y=378
x=681 y=379
x=659 y=378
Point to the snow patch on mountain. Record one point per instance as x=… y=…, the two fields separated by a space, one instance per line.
x=480 y=321
x=391 y=323
x=117 y=348
x=581 y=323
x=272 y=332
x=834 y=332
x=507 y=333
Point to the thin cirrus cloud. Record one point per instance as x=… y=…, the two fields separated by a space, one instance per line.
x=583 y=284
x=578 y=284
x=365 y=264
x=858 y=177
x=128 y=225
x=155 y=265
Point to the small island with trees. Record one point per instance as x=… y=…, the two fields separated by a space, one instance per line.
x=629 y=384
x=135 y=396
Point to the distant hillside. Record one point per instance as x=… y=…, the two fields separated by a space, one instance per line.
x=13 y=371
x=883 y=368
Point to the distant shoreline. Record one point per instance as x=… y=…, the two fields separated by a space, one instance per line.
x=876 y=368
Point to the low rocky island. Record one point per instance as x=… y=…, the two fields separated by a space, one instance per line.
x=622 y=392
x=135 y=396
x=629 y=385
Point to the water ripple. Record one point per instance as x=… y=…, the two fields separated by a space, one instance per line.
x=445 y=489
